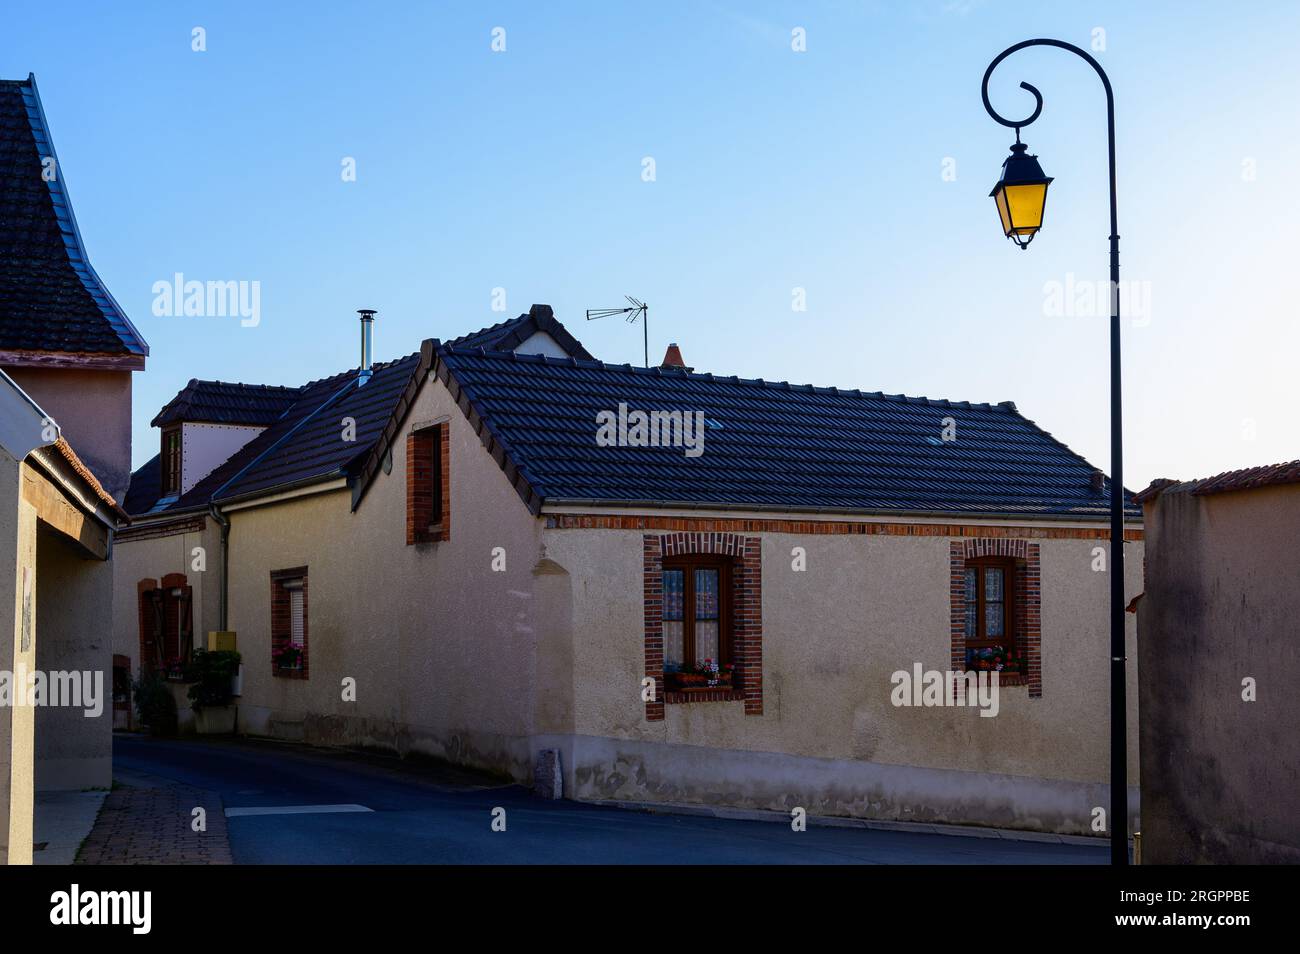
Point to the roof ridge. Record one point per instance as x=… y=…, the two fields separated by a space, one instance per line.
x=593 y=364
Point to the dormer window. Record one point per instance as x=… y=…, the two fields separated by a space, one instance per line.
x=171 y=461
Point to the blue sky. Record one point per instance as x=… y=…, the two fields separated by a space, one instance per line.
x=775 y=170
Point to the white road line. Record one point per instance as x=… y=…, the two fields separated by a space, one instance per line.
x=294 y=810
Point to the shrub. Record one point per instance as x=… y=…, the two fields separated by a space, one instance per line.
x=155 y=704
x=210 y=674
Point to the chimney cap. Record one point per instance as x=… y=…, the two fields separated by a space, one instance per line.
x=367 y=314
x=673 y=358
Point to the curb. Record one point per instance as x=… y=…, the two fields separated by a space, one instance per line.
x=834 y=821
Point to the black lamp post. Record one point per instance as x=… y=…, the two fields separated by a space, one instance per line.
x=1021 y=195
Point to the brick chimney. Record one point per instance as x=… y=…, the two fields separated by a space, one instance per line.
x=1098 y=481
x=673 y=358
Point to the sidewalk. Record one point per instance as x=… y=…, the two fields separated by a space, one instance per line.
x=148 y=822
x=62 y=822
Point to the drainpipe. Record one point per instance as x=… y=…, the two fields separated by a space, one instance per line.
x=224 y=522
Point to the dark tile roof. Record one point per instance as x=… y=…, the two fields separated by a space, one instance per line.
x=769 y=445
x=286 y=454
x=222 y=402
x=1249 y=478
x=508 y=335
x=305 y=444
x=50 y=297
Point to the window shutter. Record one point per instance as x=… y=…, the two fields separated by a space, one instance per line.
x=295 y=616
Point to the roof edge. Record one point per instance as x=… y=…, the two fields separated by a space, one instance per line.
x=113 y=313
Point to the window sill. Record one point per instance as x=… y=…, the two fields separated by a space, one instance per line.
x=704 y=694
x=1012 y=680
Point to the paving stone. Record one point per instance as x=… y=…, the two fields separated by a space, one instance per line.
x=152 y=826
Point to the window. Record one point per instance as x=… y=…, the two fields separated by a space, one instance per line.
x=171 y=461
x=992 y=640
x=696 y=623
x=166 y=625
x=289 y=623
x=428 y=491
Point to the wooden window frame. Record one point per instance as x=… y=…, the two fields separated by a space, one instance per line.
x=688 y=565
x=169 y=479
x=1009 y=604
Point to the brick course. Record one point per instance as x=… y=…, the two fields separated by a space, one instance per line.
x=746 y=558
x=1028 y=593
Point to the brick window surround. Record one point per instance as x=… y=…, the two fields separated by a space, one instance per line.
x=1027 y=585
x=746 y=558
x=428 y=484
x=166 y=620
x=281 y=622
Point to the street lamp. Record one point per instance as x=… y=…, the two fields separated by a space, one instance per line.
x=1022 y=216
x=1021 y=195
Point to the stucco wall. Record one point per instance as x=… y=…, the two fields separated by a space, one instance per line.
x=75 y=596
x=93 y=410
x=832 y=636
x=1221 y=775
x=17 y=552
x=153 y=558
x=441 y=647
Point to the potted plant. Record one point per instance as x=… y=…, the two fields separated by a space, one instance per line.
x=289 y=657
x=211 y=693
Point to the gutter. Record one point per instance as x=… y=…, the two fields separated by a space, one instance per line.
x=607 y=503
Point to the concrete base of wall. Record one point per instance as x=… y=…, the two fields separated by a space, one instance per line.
x=73 y=774
x=605 y=769
x=597 y=768
x=510 y=756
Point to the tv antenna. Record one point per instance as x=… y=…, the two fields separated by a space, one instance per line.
x=636 y=309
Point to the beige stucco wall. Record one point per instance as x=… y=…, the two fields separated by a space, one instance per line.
x=17 y=551
x=153 y=558
x=1221 y=773
x=93 y=410
x=832 y=636
x=441 y=647
x=75 y=595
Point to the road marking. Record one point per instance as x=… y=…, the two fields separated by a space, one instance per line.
x=294 y=810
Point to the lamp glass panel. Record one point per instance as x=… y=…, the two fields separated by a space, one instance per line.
x=1025 y=206
x=1001 y=199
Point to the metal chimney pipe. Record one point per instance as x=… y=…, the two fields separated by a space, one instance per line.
x=367 y=343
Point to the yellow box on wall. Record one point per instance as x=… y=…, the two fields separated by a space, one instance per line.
x=221 y=641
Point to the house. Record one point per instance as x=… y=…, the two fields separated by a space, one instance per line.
x=63 y=338
x=508 y=560
x=1218 y=660
x=67 y=353
x=225 y=447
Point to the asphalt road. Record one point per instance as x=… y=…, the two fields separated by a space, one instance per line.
x=429 y=814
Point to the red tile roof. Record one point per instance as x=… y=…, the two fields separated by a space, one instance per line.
x=1249 y=478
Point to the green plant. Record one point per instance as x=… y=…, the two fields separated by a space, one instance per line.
x=209 y=674
x=155 y=704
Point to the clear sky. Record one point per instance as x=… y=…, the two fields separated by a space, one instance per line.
x=857 y=170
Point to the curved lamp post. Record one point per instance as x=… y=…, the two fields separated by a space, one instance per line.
x=1021 y=196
